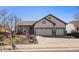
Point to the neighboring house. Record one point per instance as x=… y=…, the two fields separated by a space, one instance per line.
x=72 y=26
x=47 y=26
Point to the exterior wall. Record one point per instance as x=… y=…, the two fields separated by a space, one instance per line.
x=49 y=30
x=40 y=24
x=43 y=29
x=58 y=23
x=70 y=27
x=22 y=29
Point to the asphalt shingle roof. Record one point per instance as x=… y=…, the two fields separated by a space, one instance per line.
x=26 y=23
x=75 y=23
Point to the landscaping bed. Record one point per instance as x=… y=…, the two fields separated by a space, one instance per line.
x=26 y=39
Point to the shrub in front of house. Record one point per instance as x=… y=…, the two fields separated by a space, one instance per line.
x=27 y=39
x=73 y=33
x=76 y=35
x=33 y=39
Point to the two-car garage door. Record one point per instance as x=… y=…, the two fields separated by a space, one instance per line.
x=43 y=31
x=48 y=32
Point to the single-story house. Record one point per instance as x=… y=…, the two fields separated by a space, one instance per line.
x=47 y=26
x=72 y=26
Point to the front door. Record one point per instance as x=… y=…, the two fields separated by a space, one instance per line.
x=26 y=31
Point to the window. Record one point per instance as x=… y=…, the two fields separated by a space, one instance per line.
x=43 y=21
x=77 y=28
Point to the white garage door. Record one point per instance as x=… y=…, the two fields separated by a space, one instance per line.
x=59 y=31
x=44 y=32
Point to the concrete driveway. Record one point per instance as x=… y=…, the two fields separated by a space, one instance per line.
x=58 y=42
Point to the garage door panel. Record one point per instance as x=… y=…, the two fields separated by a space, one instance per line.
x=45 y=32
x=59 y=31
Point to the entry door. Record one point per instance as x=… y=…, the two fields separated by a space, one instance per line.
x=26 y=31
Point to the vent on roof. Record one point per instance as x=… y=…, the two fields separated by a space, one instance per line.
x=49 y=17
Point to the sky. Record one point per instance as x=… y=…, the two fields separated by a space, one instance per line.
x=34 y=13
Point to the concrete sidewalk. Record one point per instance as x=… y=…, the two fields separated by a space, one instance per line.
x=25 y=48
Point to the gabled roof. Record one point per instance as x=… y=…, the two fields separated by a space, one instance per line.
x=75 y=23
x=26 y=23
x=56 y=18
x=42 y=19
x=34 y=22
x=50 y=20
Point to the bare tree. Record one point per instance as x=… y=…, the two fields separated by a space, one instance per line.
x=3 y=15
x=16 y=21
x=10 y=21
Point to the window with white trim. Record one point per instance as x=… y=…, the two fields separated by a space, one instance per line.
x=77 y=28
